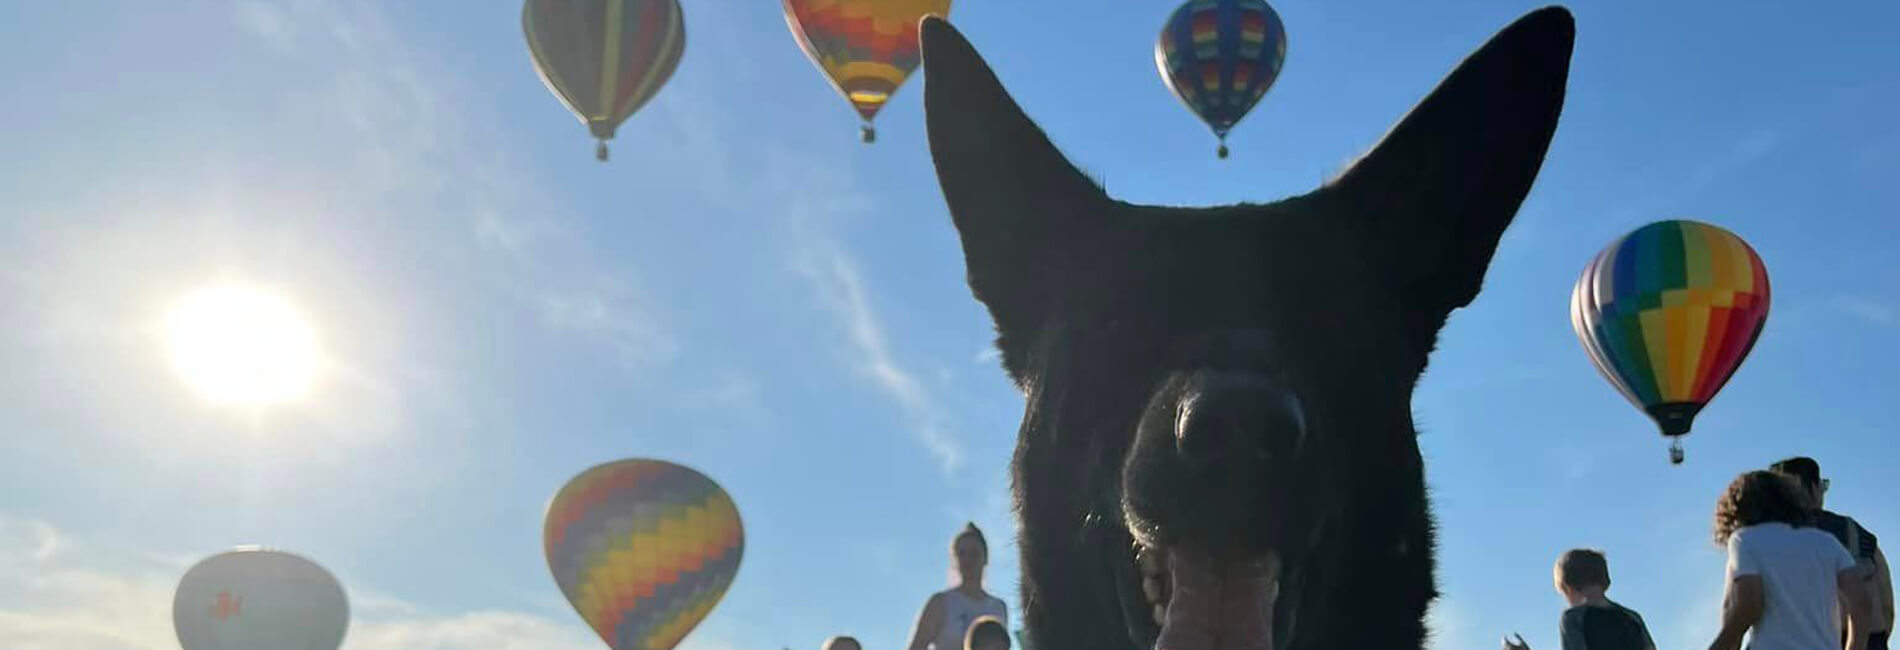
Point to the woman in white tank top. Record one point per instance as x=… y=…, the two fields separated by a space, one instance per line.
x=949 y=613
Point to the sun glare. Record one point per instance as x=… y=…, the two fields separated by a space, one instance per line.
x=241 y=347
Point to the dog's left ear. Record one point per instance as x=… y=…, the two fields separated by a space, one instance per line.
x=1436 y=194
x=1017 y=202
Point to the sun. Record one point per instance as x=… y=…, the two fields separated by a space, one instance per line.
x=238 y=346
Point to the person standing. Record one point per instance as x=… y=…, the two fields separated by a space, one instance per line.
x=947 y=616
x=1859 y=542
x=1787 y=582
x=1593 y=621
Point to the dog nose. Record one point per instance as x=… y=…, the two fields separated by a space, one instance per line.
x=1238 y=416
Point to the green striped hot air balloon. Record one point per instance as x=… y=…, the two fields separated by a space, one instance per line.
x=604 y=58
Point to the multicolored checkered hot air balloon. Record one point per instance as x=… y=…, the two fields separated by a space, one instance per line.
x=1667 y=313
x=643 y=549
x=866 y=47
x=604 y=58
x=1220 y=57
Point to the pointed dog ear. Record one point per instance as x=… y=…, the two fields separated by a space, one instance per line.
x=1013 y=196
x=1438 y=191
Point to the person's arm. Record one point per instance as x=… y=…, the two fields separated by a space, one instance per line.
x=1883 y=589
x=1741 y=610
x=1852 y=583
x=1742 y=598
x=928 y=622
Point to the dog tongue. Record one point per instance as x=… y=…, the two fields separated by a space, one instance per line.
x=1219 y=604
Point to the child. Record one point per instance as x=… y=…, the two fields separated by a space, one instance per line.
x=987 y=633
x=1593 y=622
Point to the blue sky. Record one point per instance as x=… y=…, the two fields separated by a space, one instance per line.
x=749 y=290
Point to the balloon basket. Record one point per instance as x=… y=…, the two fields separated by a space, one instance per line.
x=600 y=151
x=868 y=134
x=1675 y=452
x=1222 y=151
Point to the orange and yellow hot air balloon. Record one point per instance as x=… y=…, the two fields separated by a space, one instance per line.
x=1667 y=314
x=866 y=47
x=643 y=549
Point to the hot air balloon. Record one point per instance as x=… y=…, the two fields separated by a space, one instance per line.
x=1220 y=57
x=1667 y=313
x=866 y=47
x=255 y=598
x=604 y=58
x=643 y=549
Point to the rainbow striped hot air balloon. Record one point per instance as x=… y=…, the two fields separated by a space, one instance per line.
x=868 y=48
x=643 y=549
x=1667 y=313
x=1220 y=57
x=604 y=58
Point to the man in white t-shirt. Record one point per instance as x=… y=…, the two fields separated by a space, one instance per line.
x=1787 y=582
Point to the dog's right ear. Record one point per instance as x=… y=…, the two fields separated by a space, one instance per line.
x=1014 y=198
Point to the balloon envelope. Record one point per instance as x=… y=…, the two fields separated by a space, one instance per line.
x=1667 y=314
x=604 y=58
x=253 y=599
x=867 y=48
x=643 y=549
x=1220 y=57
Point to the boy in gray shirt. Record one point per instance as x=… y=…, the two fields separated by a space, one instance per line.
x=1593 y=622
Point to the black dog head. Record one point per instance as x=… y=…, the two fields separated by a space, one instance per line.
x=1218 y=451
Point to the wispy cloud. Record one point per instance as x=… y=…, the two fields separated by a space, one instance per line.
x=49 y=603
x=27 y=541
x=637 y=340
x=734 y=394
x=409 y=138
x=1869 y=309
x=1685 y=187
x=813 y=200
x=841 y=288
x=487 y=630
x=97 y=599
x=268 y=22
x=1752 y=147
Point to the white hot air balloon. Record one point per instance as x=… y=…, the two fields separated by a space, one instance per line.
x=257 y=599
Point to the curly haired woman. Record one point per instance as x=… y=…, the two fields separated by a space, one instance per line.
x=1786 y=581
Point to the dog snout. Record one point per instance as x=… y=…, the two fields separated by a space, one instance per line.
x=1238 y=417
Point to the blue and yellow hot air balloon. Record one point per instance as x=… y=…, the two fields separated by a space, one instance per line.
x=604 y=58
x=1220 y=57
x=1668 y=313
x=643 y=549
